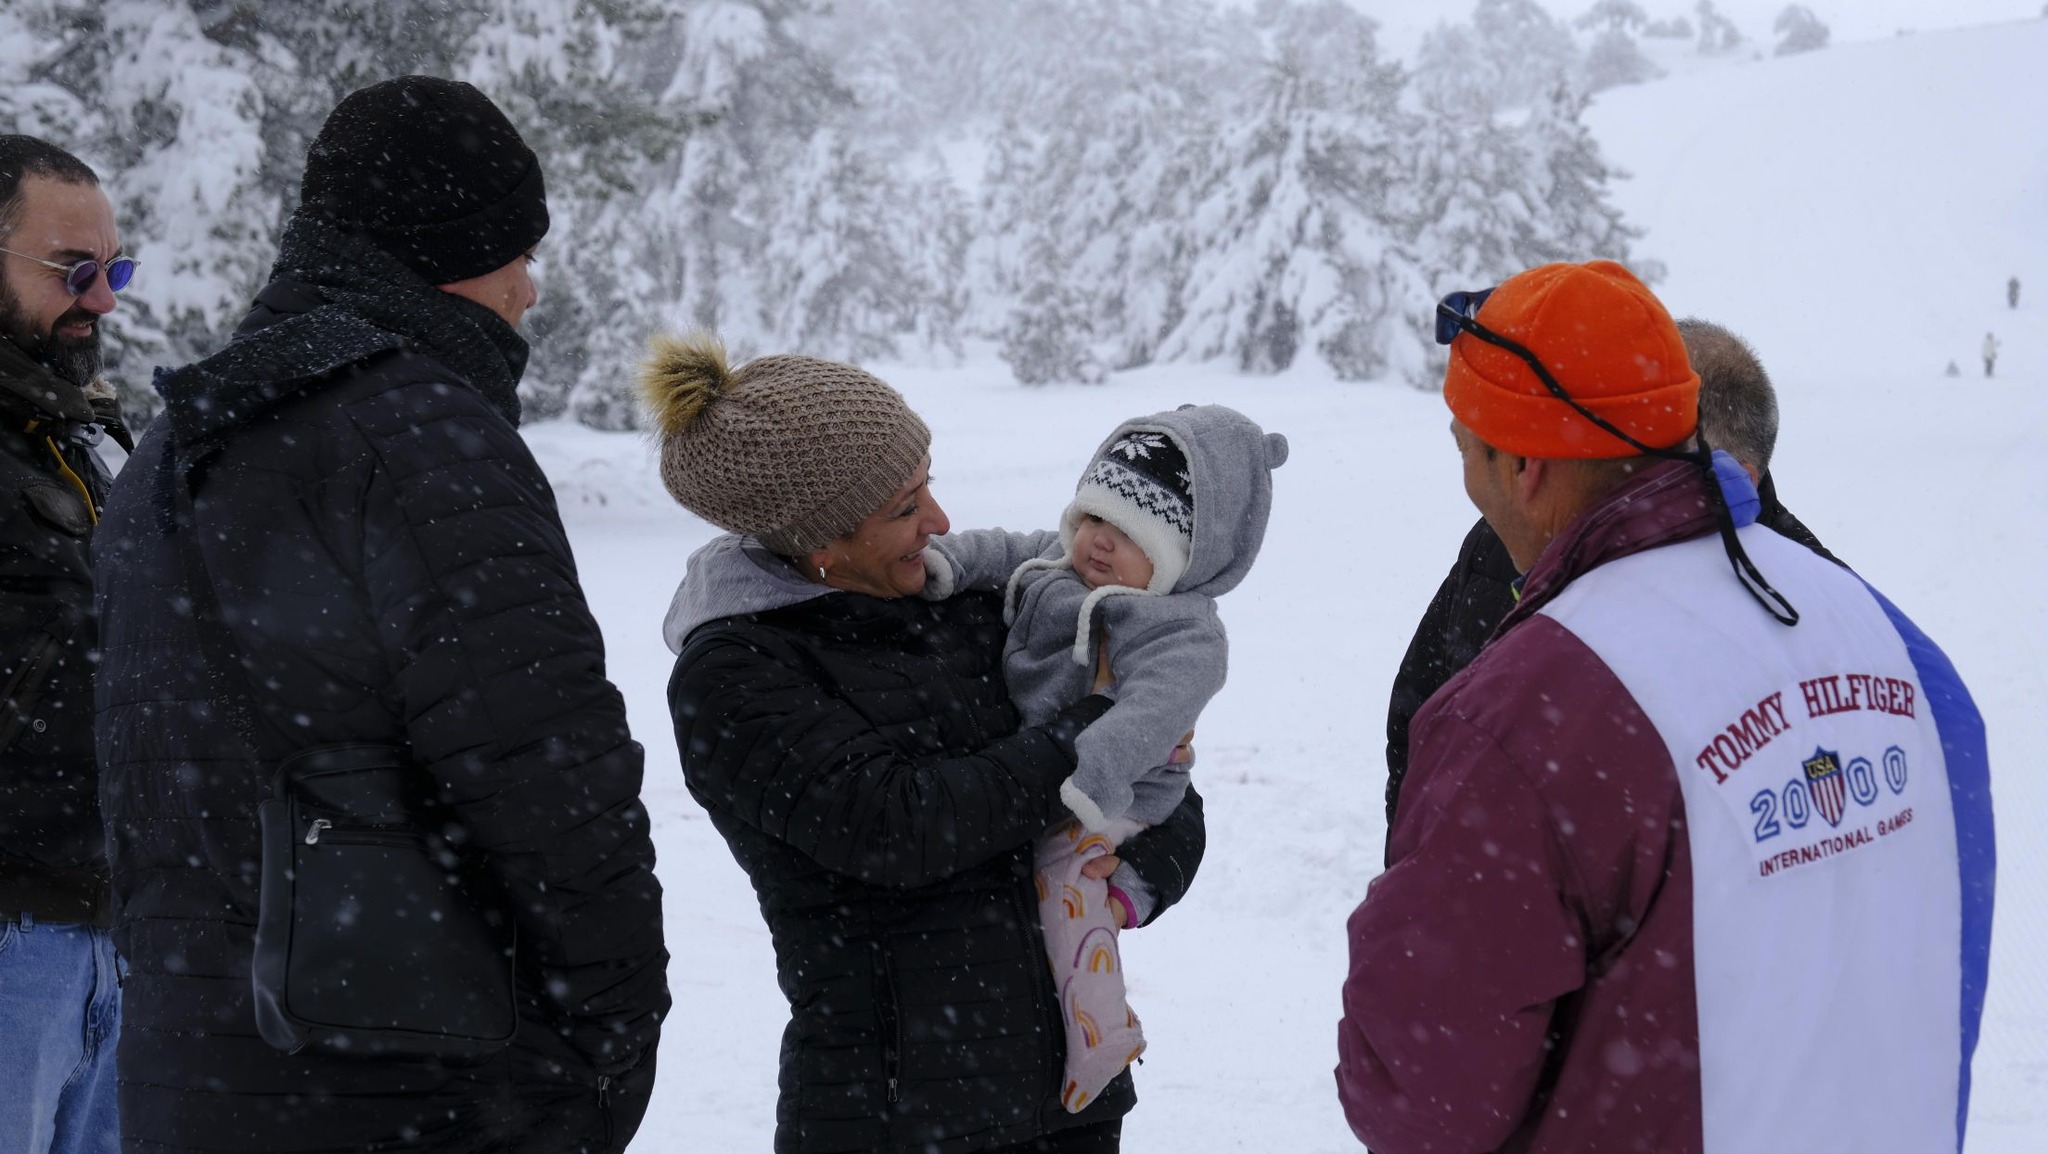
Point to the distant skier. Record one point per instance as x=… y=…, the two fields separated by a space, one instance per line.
x=2012 y=293
x=1990 y=352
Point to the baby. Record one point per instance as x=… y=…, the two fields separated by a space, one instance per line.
x=1168 y=516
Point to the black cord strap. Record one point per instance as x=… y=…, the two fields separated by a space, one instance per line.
x=1746 y=572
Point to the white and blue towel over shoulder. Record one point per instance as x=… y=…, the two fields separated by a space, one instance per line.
x=1166 y=647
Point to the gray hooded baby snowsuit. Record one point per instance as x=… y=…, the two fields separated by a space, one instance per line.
x=1201 y=528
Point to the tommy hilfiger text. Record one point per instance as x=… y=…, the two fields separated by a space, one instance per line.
x=1842 y=693
x=1743 y=737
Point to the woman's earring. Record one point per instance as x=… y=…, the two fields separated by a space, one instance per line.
x=821 y=572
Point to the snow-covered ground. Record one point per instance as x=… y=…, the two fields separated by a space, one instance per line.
x=1856 y=212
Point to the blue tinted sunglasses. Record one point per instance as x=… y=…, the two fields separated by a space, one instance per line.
x=1456 y=312
x=78 y=277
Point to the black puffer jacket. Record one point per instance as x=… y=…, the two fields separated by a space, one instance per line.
x=861 y=758
x=1468 y=606
x=392 y=562
x=52 y=864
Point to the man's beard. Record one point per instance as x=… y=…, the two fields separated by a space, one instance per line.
x=77 y=361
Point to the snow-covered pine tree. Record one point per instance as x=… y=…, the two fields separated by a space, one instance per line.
x=1510 y=53
x=1718 y=34
x=1799 y=30
x=1672 y=28
x=997 y=259
x=1476 y=211
x=1295 y=253
x=920 y=72
x=1050 y=336
x=1088 y=200
x=1451 y=74
x=578 y=78
x=1179 y=179
x=846 y=272
x=776 y=226
x=1499 y=189
x=1618 y=15
x=1614 y=58
x=200 y=112
x=700 y=231
x=1580 y=222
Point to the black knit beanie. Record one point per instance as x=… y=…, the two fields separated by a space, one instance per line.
x=432 y=173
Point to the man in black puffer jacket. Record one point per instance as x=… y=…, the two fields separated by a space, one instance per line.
x=393 y=571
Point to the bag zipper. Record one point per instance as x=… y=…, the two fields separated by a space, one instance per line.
x=886 y=1023
x=324 y=830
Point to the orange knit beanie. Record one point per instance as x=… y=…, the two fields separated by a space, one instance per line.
x=1605 y=339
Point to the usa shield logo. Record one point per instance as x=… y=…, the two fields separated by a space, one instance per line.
x=1826 y=784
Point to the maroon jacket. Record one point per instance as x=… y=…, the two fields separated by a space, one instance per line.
x=1668 y=876
x=1584 y=1034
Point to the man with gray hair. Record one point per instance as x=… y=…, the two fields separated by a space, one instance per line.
x=61 y=263
x=1738 y=412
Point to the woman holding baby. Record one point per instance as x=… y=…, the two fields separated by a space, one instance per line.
x=855 y=744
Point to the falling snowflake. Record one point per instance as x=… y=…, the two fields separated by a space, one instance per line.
x=1139 y=446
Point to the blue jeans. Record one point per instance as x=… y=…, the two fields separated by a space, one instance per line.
x=60 y=1018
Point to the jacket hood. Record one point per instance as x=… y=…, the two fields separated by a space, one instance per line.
x=1230 y=471
x=336 y=300
x=288 y=341
x=730 y=576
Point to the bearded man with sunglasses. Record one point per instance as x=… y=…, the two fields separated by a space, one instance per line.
x=1697 y=854
x=60 y=266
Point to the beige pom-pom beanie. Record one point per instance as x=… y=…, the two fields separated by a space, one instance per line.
x=792 y=450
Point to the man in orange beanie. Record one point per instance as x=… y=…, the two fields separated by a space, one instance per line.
x=1677 y=866
x=1738 y=413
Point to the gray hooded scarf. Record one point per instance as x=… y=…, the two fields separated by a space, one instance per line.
x=1166 y=645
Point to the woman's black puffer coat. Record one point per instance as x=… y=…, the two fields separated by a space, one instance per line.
x=862 y=760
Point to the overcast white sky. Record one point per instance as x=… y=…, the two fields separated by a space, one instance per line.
x=1847 y=19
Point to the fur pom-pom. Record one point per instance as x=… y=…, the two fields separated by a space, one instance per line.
x=679 y=377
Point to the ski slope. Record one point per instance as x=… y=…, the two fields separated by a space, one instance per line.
x=1855 y=212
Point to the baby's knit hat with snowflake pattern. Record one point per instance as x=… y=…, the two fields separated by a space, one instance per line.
x=1139 y=482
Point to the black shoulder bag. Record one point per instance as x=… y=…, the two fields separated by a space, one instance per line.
x=375 y=934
